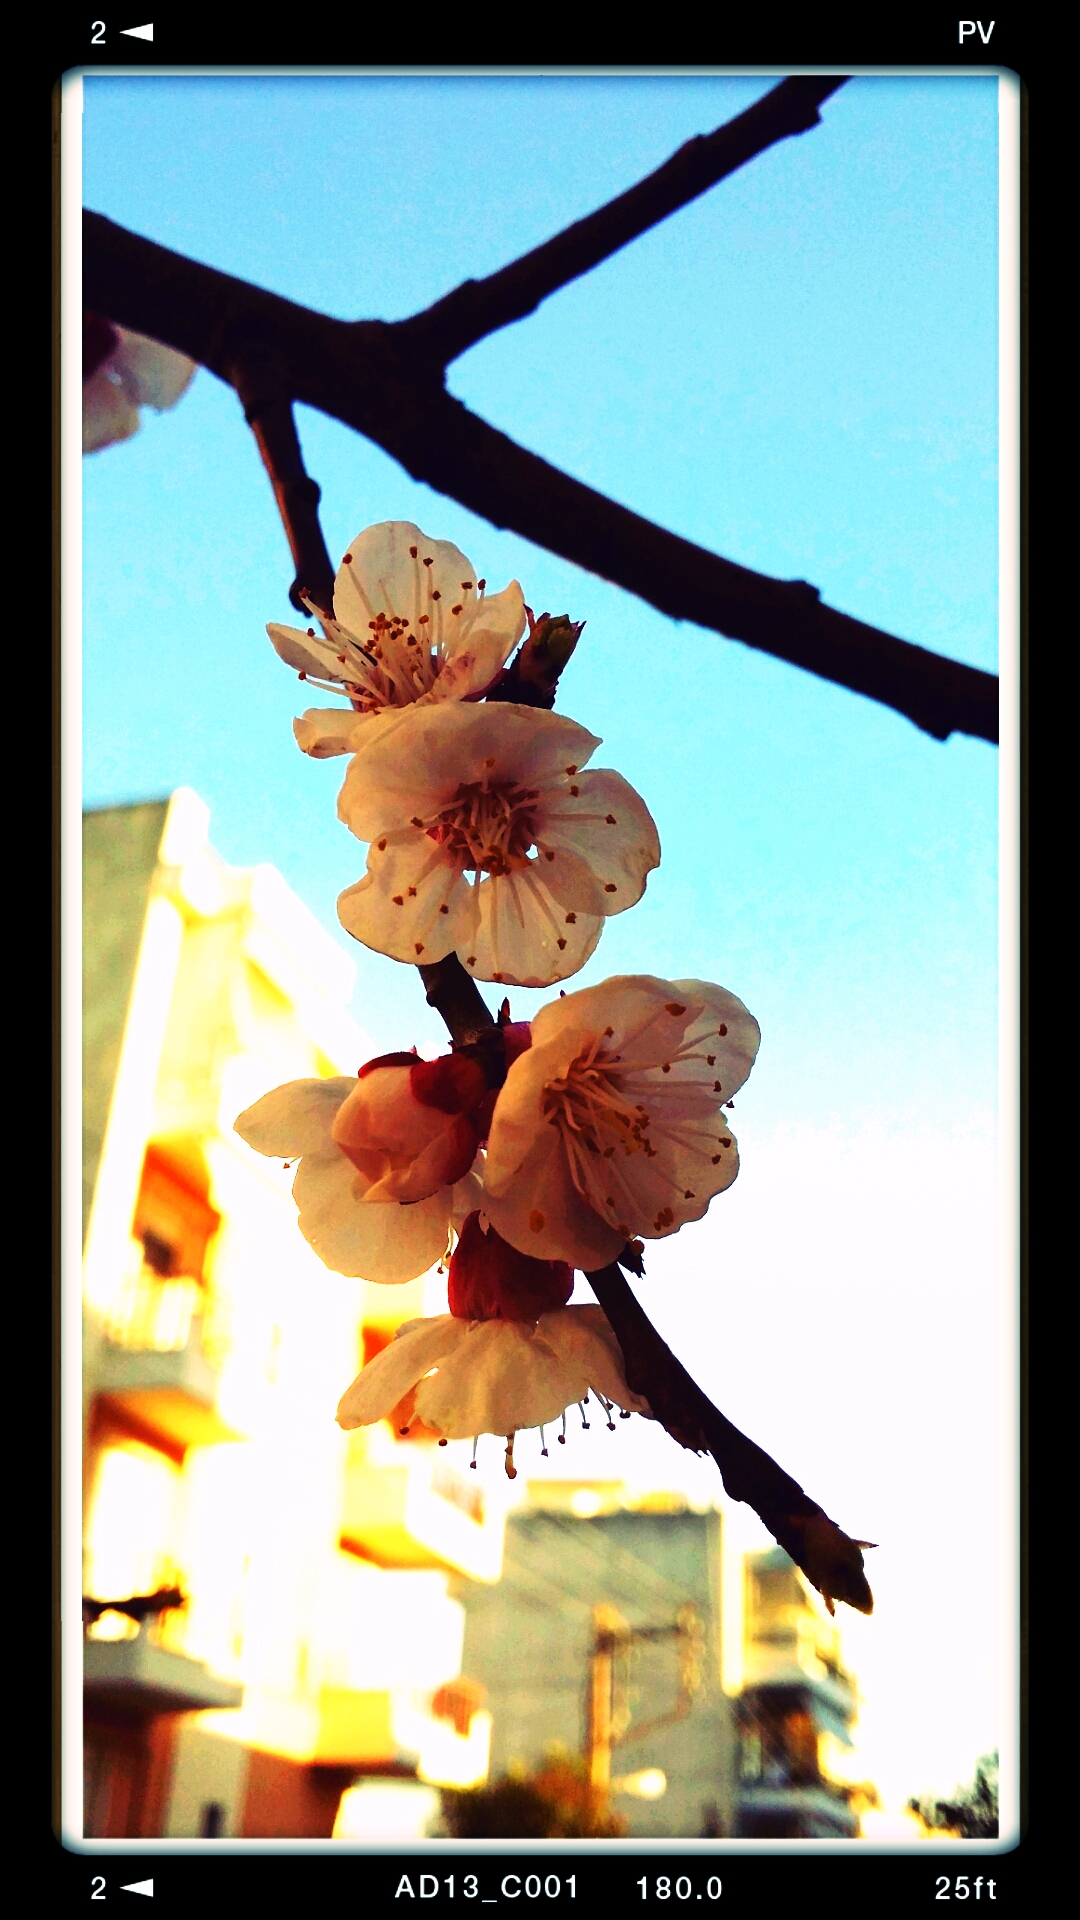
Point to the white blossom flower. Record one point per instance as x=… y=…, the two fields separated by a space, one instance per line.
x=126 y=372
x=383 y=1175
x=612 y=1124
x=493 y=1376
x=510 y=1354
x=489 y=840
x=412 y=625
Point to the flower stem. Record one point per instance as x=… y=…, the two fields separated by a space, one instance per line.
x=456 y=996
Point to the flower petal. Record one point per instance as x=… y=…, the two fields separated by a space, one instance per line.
x=471 y=670
x=109 y=413
x=737 y=1049
x=322 y=732
x=501 y=1377
x=414 y=763
x=573 y=883
x=584 y=1336
x=396 y=908
x=294 y=1119
x=494 y=621
x=630 y=1004
x=519 y=932
x=655 y=1197
x=155 y=375
x=382 y=576
x=441 y=1163
x=382 y=1113
x=388 y=1243
x=541 y=1211
x=518 y=1121
x=307 y=652
x=467 y=1195
x=609 y=827
x=387 y=1378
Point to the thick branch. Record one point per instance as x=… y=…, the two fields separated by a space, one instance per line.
x=471 y=461
x=359 y=374
x=826 y=1555
x=479 y=307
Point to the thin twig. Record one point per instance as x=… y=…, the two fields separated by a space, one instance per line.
x=268 y=412
x=480 y=307
x=830 y=1560
x=361 y=373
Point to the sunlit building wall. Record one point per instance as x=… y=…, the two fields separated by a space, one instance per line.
x=290 y=1625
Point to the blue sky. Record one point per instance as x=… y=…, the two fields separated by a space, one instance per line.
x=798 y=371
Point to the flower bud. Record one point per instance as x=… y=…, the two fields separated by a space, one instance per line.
x=553 y=640
x=547 y=650
x=406 y=1125
x=489 y=1280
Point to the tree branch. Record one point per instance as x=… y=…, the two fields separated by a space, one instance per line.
x=364 y=374
x=829 y=1559
x=461 y=455
x=479 y=307
x=268 y=412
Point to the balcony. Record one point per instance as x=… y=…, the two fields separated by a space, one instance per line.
x=794 y=1649
x=830 y=1697
x=139 y=1678
x=794 y=1813
x=156 y=1362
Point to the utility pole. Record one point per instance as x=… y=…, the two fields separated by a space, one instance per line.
x=610 y=1632
x=613 y=1636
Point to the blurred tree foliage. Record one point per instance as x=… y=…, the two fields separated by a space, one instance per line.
x=973 y=1814
x=554 y=1803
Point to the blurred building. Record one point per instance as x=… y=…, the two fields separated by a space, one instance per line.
x=281 y=1624
x=581 y=1565
x=796 y=1711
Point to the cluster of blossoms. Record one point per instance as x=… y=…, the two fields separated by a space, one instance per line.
x=486 y=836
x=490 y=838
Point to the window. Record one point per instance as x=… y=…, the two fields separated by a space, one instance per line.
x=164 y=1288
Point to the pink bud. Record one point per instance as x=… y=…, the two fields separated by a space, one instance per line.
x=489 y=1280
x=453 y=1084
x=406 y=1126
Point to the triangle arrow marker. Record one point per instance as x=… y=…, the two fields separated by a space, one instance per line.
x=137 y=33
x=140 y=1886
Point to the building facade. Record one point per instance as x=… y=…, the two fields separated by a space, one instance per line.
x=281 y=1623
x=650 y=1577
x=796 y=1711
